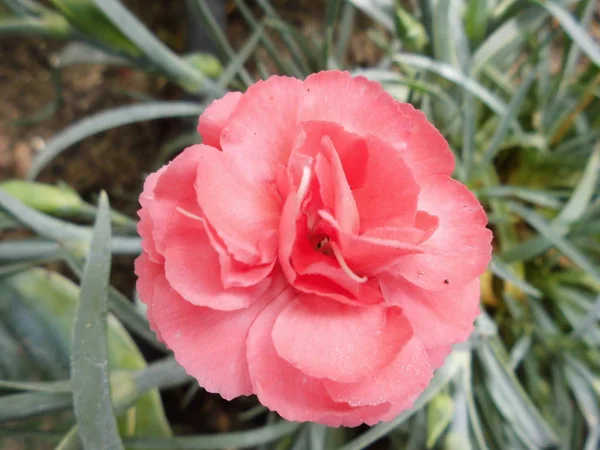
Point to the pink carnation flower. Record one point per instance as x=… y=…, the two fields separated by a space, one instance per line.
x=313 y=251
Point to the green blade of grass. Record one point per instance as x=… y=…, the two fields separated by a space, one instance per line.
x=122 y=308
x=42 y=224
x=377 y=11
x=546 y=230
x=89 y=359
x=106 y=120
x=464 y=81
x=236 y=64
x=511 y=115
x=579 y=35
x=219 y=37
x=32 y=404
x=331 y=16
x=512 y=401
x=235 y=439
x=503 y=271
x=170 y=64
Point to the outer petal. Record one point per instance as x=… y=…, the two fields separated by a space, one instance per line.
x=357 y=104
x=326 y=339
x=148 y=272
x=215 y=118
x=401 y=382
x=459 y=250
x=192 y=268
x=427 y=152
x=245 y=215
x=438 y=318
x=209 y=344
x=389 y=195
x=262 y=130
x=174 y=187
x=145 y=225
x=437 y=355
x=294 y=395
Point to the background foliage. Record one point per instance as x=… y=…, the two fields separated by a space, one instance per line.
x=513 y=85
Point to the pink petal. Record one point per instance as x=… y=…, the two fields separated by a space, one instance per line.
x=215 y=118
x=192 y=269
x=401 y=382
x=351 y=149
x=262 y=130
x=437 y=355
x=375 y=250
x=174 y=188
x=244 y=214
x=459 y=250
x=209 y=344
x=389 y=195
x=311 y=271
x=327 y=339
x=145 y=225
x=147 y=272
x=438 y=318
x=427 y=152
x=283 y=388
x=360 y=106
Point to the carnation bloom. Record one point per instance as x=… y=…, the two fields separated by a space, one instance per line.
x=314 y=250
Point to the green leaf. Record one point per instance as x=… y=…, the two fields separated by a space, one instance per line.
x=123 y=309
x=332 y=11
x=106 y=120
x=439 y=415
x=546 y=230
x=512 y=400
x=29 y=249
x=236 y=439
x=219 y=37
x=32 y=404
x=579 y=35
x=380 y=11
x=44 y=197
x=451 y=74
x=90 y=21
x=168 y=62
x=40 y=223
x=52 y=387
x=51 y=25
x=511 y=115
x=503 y=271
x=236 y=64
x=510 y=33
x=89 y=355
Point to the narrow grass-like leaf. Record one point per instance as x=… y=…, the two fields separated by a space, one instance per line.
x=579 y=35
x=546 y=230
x=236 y=439
x=511 y=32
x=502 y=270
x=293 y=43
x=584 y=192
x=379 y=11
x=51 y=387
x=331 y=15
x=464 y=81
x=89 y=358
x=27 y=249
x=512 y=400
x=345 y=33
x=537 y=197
x=236 y=64
x=32 y=404
x=588 y=405
x=106 y=120
x=41 y=223
x=170 y=64
x=123 y=309
x=511 y=115
x=219 y=37
x=71 y=441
